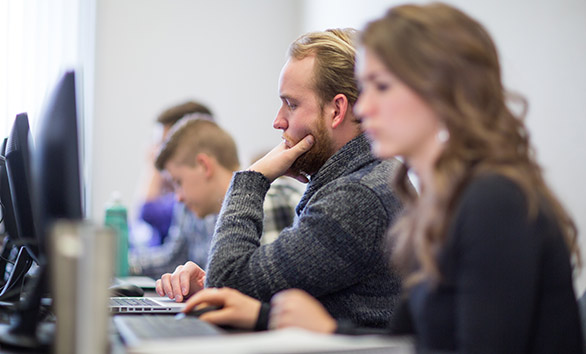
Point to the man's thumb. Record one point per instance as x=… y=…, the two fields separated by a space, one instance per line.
x=306 y=143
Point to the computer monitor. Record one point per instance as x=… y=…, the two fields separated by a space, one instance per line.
x=8 y=222
x=12 y=275
x=56 y=185
x=17 y=161
x=56 y=161
x=18 y=165
x=8 y=219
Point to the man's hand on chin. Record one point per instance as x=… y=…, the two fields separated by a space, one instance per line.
x=279 y=160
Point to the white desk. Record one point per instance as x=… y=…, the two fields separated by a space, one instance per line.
x=280 y=341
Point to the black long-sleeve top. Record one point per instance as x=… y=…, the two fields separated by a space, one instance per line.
x=506 y=281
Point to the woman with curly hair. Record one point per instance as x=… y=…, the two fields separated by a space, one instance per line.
x=485 y=249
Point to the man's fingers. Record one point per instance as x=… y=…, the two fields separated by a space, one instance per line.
x=306 y=143
x=184 y=283
x=176 y=286
x=166 y=284
x=279 y=160
x=301 y=147
x=159 y=288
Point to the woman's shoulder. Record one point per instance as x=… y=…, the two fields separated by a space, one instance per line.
x=490 y=201
x=491 y=182
x=491 y=188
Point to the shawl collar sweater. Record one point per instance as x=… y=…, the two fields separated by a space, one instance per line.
x=334 y=250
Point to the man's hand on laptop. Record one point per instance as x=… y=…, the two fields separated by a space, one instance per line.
x=185 y=281
x=279 y=160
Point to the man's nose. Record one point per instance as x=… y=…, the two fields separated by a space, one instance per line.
x=280 y=121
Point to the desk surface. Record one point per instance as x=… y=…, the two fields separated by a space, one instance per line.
x=284 y=341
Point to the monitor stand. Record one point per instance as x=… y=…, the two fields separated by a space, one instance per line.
x=12 y=288
x=24 y=330
x=7 y=248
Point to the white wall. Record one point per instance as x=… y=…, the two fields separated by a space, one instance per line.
x=543 y=54
x=38 y=43
x=151 y=54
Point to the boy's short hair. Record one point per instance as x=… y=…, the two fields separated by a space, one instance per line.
x=194 y=135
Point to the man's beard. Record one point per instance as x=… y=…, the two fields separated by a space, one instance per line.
x=323 y=148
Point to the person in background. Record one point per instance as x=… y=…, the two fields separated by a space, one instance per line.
x=158 y=208
x=333 y=249
x=199 y=158
x=486 y=249
x=160 y=234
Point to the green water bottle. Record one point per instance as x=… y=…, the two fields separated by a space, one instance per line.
x=117 y=218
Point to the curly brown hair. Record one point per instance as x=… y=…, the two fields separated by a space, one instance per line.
x=451 y=62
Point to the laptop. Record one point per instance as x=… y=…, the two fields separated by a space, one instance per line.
x=146 y=283
x=144 y=305
x=139 y=330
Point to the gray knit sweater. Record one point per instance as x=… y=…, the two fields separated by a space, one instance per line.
x=334 y=249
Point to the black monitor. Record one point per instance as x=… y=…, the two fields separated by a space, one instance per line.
x=56 y=185
x=11 y=239
x=20 y=222
x=56 y=161
x=8 y=219
x=18 y=156
x=12 y=276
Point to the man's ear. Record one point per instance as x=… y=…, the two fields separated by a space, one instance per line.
x=340 y=107
x=207 y=163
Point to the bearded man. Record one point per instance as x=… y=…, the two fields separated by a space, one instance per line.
x=334 y=250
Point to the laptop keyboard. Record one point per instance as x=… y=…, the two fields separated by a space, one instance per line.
x=129 y=301
x=165 y=326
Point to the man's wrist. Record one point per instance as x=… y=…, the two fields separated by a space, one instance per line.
x=249 y=180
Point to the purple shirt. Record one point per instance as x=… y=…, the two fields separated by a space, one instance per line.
x=158 y=213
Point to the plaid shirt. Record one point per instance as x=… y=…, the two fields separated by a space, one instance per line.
x=189 y=237
x=279 y=207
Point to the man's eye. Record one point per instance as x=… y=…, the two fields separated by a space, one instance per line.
x=291 y=105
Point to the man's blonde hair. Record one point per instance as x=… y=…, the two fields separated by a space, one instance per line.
x=192 y=136
x=335 y=52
